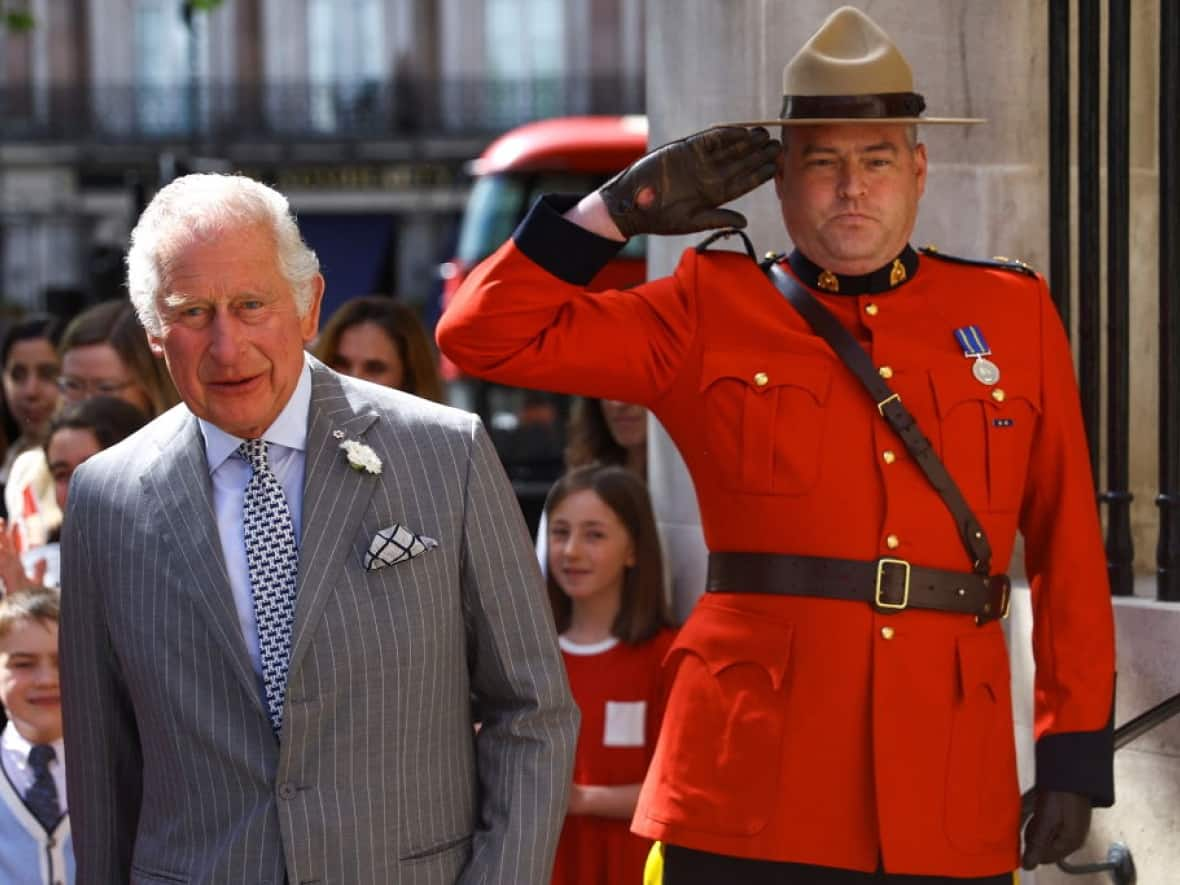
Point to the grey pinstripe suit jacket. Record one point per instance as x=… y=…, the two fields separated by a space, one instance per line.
x=175 y=774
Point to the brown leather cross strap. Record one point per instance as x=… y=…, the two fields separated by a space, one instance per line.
x=889 y=585
x=890 y=407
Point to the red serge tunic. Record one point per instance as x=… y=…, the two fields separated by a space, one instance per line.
x=619 y=689
x=812 y=730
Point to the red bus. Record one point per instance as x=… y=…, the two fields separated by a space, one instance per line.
x=572 y=155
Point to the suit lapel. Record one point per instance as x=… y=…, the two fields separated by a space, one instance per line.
x=335 y=497
x=178 y=482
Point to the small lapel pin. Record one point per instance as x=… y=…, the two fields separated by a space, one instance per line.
x=337 y=434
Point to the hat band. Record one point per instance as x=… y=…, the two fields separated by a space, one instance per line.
x=882 y=105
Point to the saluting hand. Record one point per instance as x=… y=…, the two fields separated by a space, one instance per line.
x=677 y=188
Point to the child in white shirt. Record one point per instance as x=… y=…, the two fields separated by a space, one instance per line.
x=35 y=844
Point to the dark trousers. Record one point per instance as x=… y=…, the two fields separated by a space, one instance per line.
x=684 y=866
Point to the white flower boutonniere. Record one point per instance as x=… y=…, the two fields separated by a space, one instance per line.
x=361 y=457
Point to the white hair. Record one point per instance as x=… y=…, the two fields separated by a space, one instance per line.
x=195 y=207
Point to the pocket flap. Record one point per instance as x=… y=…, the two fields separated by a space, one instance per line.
x=956 y=384
x=763 y=372
x=723 y=637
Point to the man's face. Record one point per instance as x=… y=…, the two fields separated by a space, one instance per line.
x=231 y=335
x=850 y=193
x=29 y=685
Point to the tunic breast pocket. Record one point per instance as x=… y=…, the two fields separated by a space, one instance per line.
x=987 y=433
x=764 y=419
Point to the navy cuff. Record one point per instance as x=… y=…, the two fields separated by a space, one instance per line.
x=1078 y=762
x=569 y=252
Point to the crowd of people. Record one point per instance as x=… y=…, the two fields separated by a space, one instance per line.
x=304 y=634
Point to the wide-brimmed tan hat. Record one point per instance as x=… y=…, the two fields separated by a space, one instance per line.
x=850 y=72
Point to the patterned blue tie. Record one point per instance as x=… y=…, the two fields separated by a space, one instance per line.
x=41 y=797
x=274 y=564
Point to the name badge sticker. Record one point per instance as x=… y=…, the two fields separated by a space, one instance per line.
x=625 y=723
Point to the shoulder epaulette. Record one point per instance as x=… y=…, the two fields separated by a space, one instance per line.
x=722 y=234
x=999 y=262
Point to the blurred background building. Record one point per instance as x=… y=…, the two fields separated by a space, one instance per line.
x=364 y=112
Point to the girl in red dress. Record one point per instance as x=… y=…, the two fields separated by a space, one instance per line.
x=607 y=590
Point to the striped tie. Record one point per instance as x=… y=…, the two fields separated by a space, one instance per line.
x=41 y=797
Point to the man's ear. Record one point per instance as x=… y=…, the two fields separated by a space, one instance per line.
x=920 y=164
x=309 y=323
x=780 y=169
x=155 y=345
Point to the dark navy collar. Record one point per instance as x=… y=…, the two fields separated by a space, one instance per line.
x=884 y=279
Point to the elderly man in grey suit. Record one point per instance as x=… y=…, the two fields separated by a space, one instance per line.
x=283 y=597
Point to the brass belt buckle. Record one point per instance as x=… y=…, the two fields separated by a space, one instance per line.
x=905 y=596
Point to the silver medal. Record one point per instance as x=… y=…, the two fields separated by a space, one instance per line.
x=985 y=371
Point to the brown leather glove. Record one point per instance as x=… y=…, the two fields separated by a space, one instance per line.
x=1057 y=828
x=677 y=188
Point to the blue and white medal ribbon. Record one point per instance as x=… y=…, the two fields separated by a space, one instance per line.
x=975 y=347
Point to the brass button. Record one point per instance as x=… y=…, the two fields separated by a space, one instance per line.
x=885 y=371
x=998 y=395
x=871 y=309
x=888 y=456
x=892 y=542
x=761 y=379
x=886 y=632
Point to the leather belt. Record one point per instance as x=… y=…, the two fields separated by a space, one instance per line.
x=889 y=585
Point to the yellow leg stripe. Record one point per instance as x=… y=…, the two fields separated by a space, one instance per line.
x=653 y=869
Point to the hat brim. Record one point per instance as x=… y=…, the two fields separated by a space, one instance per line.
x=863 y=121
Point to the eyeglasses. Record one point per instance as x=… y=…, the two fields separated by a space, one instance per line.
x=79 y=388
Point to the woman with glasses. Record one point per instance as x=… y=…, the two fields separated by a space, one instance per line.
x=29 y=370
x=104 y=352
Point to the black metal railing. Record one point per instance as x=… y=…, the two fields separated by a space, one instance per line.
x=1059 y=227
x=1089 y=226
x=1120 y=548
x=1093 y=293
x=1168 y=550
x=223 y=112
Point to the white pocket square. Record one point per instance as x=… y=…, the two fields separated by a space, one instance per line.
x=395 y=544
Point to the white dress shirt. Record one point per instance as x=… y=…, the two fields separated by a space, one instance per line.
x=14 y=754
x=287 y=450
